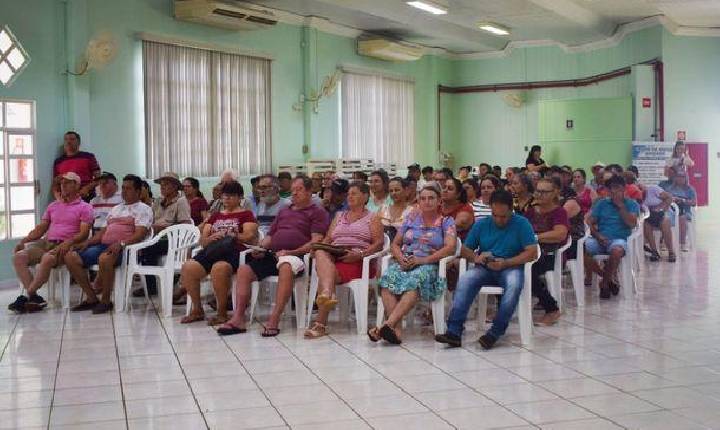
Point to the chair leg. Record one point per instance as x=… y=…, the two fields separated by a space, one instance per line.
x=482 y=311
x=525 y=313
x=121 y=289
x=301 y=299
x=360 y=296
x=254 y=289
x=438 y=310
x=551 y=286
x=380 y=317
x=576 y=276
x=311 y=298
x=166 y=291
x=64 y=283
x=343 y=295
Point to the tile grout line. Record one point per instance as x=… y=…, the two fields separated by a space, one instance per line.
x=174 y=351
x=326 y=384
x=117 y=357
x=10 y=336
x=57 y=368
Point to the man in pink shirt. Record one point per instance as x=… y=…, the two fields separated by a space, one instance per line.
x=65 y=223
x=127 y=223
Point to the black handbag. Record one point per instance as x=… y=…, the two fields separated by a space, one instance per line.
x=218 y=249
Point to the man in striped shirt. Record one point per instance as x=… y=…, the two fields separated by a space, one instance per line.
x=108 y=197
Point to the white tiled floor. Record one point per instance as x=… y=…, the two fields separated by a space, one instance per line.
x=652 y=362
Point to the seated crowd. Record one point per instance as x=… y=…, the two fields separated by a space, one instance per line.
x=501 y=223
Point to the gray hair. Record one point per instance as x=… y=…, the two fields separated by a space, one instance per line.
x=273 y=180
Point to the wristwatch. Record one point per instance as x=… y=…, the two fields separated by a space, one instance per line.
x=122 y=243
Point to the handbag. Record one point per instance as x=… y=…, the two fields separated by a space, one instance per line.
x=337 y=251
x=217 y=250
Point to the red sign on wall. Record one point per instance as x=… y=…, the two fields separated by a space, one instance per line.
x=646 y=103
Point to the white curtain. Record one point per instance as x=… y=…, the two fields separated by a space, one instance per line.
x=205 y=111
x=378 y=118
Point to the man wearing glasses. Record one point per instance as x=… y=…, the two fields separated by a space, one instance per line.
x=269 y=202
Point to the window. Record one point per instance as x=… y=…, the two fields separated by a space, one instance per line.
x=377 y=118
x=17 y=175
x=13 y=57
x=205 y=111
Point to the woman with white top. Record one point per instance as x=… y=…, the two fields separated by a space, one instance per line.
x=393 y=215
x=481 y=206
x=679 y=161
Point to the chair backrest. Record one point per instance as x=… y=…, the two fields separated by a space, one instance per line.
x=180 y=237
x=458 y=247
x=386 y=242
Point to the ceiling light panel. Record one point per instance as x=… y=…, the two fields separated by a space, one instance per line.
x=496 y=29
x=432 y=7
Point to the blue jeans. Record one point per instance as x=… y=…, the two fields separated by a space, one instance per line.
x=511 y=280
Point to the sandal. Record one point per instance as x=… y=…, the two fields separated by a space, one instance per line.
x=216 y=320
x=326 y=303
x=192 y=317
x=270 y=332
x=317 y=330
x=228 y=329
x=389 y=335
x=374 y=334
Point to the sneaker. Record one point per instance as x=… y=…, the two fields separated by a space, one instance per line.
x=101 y=308
x=549 y=319
x=449 y=339
x=684 y=247
x=604 y=293
x=35 y=303
x=18 y=305
x=487 y=341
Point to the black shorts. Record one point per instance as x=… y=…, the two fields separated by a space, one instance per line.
x=263 y=267
x=231 y=256
x=656 y=218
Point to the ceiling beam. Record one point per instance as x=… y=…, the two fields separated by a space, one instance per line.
x=581 y=16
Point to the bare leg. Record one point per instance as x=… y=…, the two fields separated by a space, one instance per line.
x=244 y=278
x=106 y=262
x=666 y=230
x=613 y=261
x=74 y=264
x=42 y=272
x=21 y=261
x=683 y=229
x=592 y=265
x=327 y=280
x=284 y=290
x=221 y=274
x=191 y=274
x=649 y=234
x=407 y=301
x=389 y=301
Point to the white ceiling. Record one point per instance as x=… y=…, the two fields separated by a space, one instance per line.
x=568 y=22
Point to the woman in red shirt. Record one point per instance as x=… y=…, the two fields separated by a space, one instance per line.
x=455 y=205
x=198 y=204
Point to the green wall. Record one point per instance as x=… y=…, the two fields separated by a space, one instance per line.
x=602 y=130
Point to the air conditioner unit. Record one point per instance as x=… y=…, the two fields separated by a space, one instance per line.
x=223 y=15
x=388 y=50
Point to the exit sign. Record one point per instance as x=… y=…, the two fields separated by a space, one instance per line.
x=646 y=102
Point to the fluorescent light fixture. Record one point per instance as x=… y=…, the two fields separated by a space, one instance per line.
x=493 y=28
x=429 y=6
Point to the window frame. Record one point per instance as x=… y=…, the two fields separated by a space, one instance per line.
x=5 y=131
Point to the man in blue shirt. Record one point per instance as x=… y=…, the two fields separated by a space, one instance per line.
x=611 y=222
x=499 y=246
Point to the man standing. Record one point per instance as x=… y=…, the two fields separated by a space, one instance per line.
x=611 y=222
x=127 y=223
x=170 y=208
x=108 y=198
x=67 y=223
x=82 y=163
x=499 y=246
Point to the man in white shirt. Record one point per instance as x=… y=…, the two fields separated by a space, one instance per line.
x=107 y=197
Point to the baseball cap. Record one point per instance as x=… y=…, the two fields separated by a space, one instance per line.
x=340 y=185
x=71 y=176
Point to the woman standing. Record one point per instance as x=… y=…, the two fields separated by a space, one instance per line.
x=522 y=189
x=360 y=232
x=534 y=162
x=585 y=194
x=198 y=204
x=423 y=240
x=679 y=161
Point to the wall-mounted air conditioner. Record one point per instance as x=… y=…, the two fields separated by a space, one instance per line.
x=388 y=50
x=223 y=15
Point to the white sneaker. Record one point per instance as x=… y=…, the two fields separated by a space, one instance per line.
x=685 y=247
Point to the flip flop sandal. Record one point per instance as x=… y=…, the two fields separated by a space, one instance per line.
x=270 y=332
x=228 y=329
x=188 y=319
x=316 y=331
x=374 y=334
x=217 y=321
x=389 y=335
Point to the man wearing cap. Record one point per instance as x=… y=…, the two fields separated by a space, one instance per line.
x=65 y=224
x=270 y=202
x=127 y=223
x=108 y=197
x=82 y=163
x=337 y=200
x=598 y=169
x=170 y=208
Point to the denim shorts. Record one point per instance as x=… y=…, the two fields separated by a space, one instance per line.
x=593 y=247
x=91 y=255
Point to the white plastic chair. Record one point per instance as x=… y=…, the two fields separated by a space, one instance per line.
x=438 y=305
x=524 y=308
x=577 y=269
x=181 y=238
x=691 y=234
x=626 y=274
x=300 y=290
x=637 y=240
x=553 y=278
x=358 y=288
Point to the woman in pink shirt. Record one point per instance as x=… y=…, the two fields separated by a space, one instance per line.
x=358 y=230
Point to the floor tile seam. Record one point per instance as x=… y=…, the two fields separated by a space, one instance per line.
x=57 y=370
x=175 y=354
x=10 y=337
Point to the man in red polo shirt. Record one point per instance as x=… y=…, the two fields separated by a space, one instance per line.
x=81 y=162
